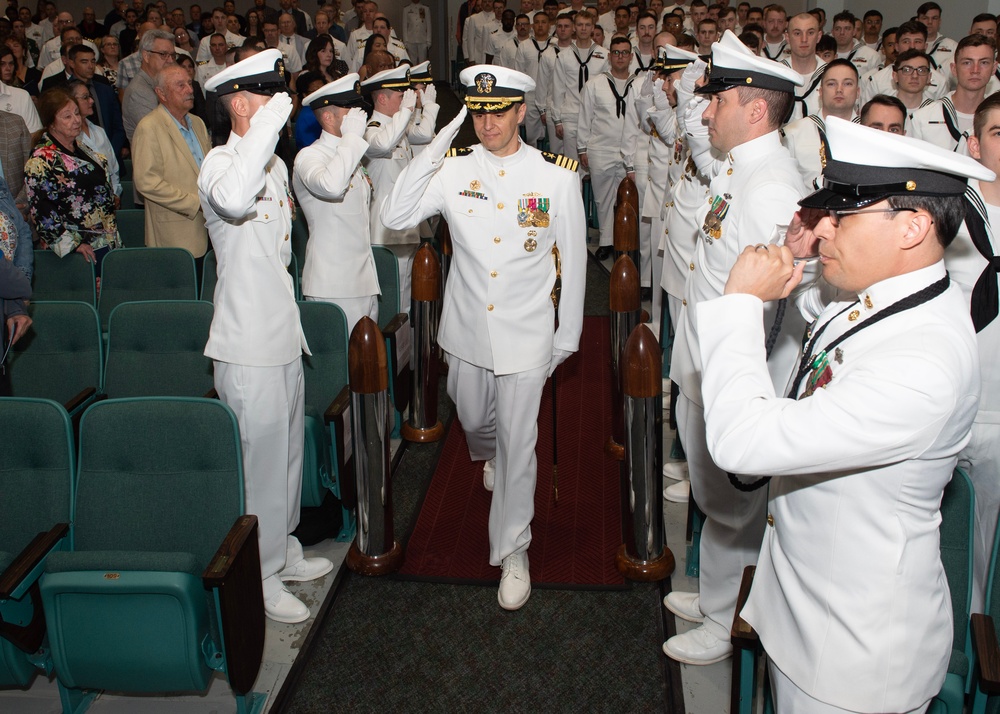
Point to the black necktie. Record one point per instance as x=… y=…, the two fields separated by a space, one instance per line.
x=584 y=69
x=619 y=98
x=985 y=303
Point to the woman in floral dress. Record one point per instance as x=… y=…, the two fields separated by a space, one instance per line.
x=70 y=197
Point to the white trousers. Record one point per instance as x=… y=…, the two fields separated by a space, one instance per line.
x=404 y=253
x=499 y=414
x=789 y=699
x=555 y=143
x=981 y=460
x=569 y=148
x=606 y=172
x=354 y=308
x=733 y=528
x=533 y=128
x=269 y=403
x=417 y=51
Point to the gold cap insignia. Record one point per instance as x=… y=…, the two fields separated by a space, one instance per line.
x=485 y=83
x=911 y=185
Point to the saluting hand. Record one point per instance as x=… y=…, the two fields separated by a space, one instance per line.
x=428 y=95
x=409 y=100
x=354 y=123
x=275 y=113
x=442 y=140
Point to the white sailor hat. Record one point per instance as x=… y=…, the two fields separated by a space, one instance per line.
x=261 y=73
x=671 y=59
x=492 y=88
x=343 y=92
x=867 y=165
x=396 y=78
x=421 y=73
x=733 y=65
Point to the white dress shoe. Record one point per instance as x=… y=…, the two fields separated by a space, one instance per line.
x=305 y=570
x=489 y=473
x=285 y=607
x=677 y=470
x=684 y=605
x=697 y=646
x=515 y=582
x=678 y=492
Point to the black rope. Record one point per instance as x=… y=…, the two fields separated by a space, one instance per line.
x=809 y=356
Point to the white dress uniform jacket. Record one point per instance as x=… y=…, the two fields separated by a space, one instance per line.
x=505 y=215
x=850 y=597
x=938 y=123
x=335 y=192
x=248 y=213
x=862 y=57
x=881 y=83
x=389 y=152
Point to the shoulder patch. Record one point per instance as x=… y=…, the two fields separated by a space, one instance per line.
x=374 y=124
x=560 y=160
x=464 y=151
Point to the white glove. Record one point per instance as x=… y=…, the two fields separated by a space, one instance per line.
x=660 y=99
x=354 y=123
x=692 y=73
x=429 y=94
x=409 y=100
x=442 y=140
x=275 y=113
x=646 y=90
x=558 y=357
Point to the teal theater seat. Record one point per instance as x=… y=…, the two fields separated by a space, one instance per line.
x=67 y=278
x=157 y=349
x=36 y=479
x=395 y=325
x=61 y=358
x=132 y=227
x=326 y=464
x=162 y=587
x=135 y=274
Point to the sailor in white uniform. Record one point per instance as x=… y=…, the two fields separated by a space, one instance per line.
x=755 y=189
x=510 y=209
x=335 y=192
x=256 y=340
x=862 y=447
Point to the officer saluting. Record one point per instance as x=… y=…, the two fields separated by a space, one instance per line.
x=509 y=208
x=256 y=339
x=335 y=193
x=862 y=448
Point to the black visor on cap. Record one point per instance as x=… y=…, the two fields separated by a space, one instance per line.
x=848 y=186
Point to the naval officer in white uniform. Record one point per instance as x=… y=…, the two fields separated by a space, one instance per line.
x=256 y=340
x=335 y=192
x=509 y=208
x=850 y=598
x=755 y=188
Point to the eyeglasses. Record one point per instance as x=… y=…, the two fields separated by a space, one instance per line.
x=83 y=97
x=921 y=71
x=164 y=55
x=835 y=215
x=620 y=53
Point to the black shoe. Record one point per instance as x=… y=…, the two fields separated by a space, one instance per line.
x=604 y=252
x=646 y=294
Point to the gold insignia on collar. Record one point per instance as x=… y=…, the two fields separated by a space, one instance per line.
x=853 y=315
x=868 y=301
x=474 y=184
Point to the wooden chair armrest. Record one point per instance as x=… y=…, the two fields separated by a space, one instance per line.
x=984 y=642
x=742 y=635
x=340 y=404
x=80 y=398
x=12 y=580
x=395 y=323
x=235 y=574
x=211 y=394
x=338 y=416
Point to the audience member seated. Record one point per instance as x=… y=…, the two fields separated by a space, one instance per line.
x=70 y=196
x=13 y=69
x=111 y=54
x=320 y=57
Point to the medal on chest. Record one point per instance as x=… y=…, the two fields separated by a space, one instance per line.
x=533 y=212
x=712 y=226
x=821 y=374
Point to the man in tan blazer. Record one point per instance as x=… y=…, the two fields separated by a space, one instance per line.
x=167 y=150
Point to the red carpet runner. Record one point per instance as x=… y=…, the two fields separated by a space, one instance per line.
x=573 y=543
